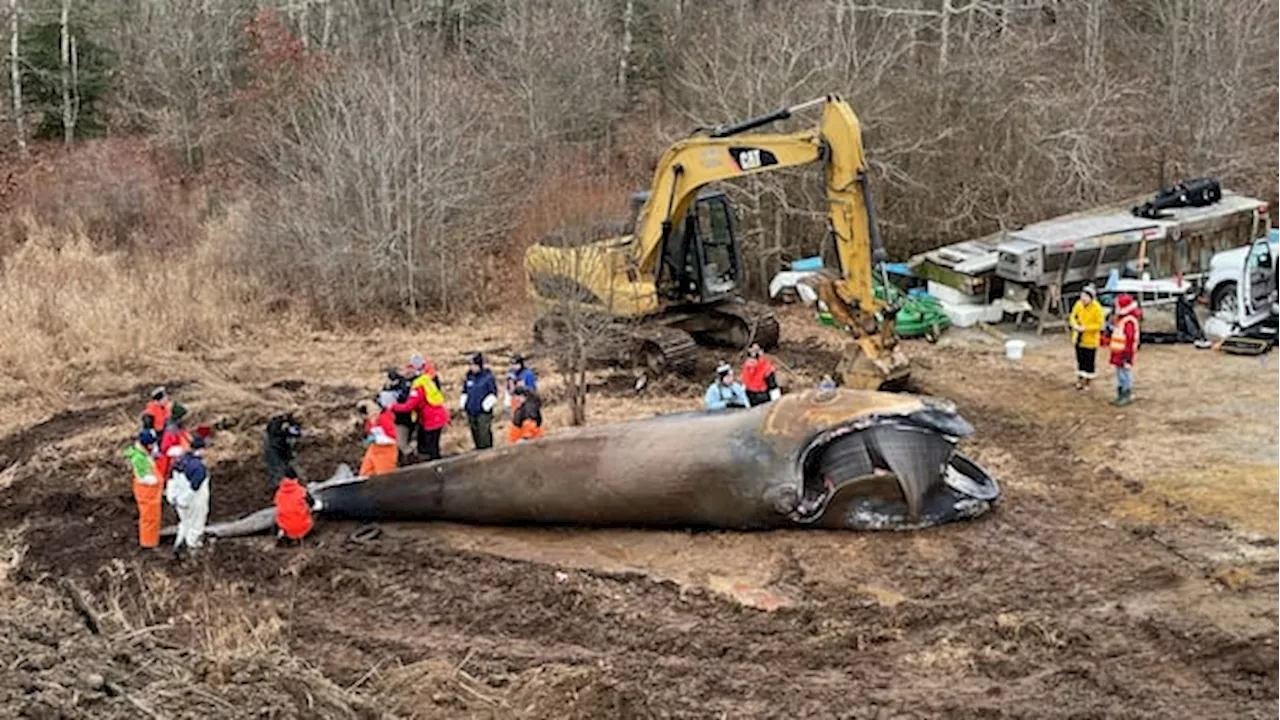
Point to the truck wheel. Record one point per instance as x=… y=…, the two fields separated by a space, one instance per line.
x=1224 y=298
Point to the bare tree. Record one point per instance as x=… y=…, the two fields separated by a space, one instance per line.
x=378 y=187
x=15 y=79
x=576 y=328
x=561 y=97
x=66 y=53
x=624 y=59
x=177 y=61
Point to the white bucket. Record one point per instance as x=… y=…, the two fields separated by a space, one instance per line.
x=1013 y=349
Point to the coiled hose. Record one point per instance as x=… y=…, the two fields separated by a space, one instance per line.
x=918 y=316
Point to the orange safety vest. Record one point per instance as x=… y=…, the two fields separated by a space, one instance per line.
x=293 y=516
x=1118 y=340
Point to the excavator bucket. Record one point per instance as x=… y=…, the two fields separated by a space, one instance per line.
x=873 y=361
x=875 y=368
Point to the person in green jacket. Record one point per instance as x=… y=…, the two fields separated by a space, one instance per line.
x=1086 y=320
x=147 y=488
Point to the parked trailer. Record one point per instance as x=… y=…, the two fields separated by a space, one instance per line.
x=1047 y=262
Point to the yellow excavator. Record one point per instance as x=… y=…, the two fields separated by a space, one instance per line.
x=669 y=281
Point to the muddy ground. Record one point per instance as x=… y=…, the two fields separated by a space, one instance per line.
x=1130 y=570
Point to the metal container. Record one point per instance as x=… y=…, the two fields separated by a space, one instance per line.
x=1074 y=250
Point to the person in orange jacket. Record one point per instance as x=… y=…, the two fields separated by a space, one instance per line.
x=156 y=413
x=381 y=453
x=148 y=490
x=526 y=422
x=759 y=377
x=293 y=508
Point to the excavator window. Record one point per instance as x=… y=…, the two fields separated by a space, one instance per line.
x=720 y=263
x=700 y=263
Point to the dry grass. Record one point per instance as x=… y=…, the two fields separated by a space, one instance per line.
x=1234 y=577
x=65 y=305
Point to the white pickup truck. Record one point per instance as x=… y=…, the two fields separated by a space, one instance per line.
x=1241 y=283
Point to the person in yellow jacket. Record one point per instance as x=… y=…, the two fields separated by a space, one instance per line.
x=1087 y=319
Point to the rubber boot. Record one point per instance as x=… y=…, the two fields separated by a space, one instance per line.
x=1123 y=397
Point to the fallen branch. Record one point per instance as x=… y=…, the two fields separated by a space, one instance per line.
x=131 y=634
x=466 y=680
x=465 y=660
x=117 y=691
x=81 y=605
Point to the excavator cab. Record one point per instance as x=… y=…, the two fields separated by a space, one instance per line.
x=702 y=261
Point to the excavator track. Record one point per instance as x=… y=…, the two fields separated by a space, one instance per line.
x=658 y=349
x=760 y=324
x=661 y=350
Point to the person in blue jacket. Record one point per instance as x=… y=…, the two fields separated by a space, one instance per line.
x=725 y=392
x=519 y=375
x=479 y=398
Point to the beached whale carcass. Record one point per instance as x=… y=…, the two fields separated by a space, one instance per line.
x=852 y=459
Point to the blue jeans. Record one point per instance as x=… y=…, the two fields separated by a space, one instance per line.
x=1124 y=379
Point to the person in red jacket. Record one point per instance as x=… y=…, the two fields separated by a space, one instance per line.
x=759 y=377
x=174 y=443
x=293 y=508
x=1124 y=347
x=427 y=401
x=380 y=455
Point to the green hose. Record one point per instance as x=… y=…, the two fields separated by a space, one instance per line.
x=917 y=316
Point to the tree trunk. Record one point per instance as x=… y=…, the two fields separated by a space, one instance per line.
x=578 y=405
x=1093 y=38
x=64 y=48
x=326 y=27
x=75 y=84
x=304 y=24
x=624 y=62
x=944 y=36
x=15 y=78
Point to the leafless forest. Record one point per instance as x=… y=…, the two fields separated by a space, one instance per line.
x=396 y=155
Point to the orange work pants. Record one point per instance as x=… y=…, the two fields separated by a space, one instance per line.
x=148 y=498
x=378 y=460
x=528 y=431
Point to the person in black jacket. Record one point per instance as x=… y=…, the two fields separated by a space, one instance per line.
x=401 y=384
x=530 y=407
x=280 y=445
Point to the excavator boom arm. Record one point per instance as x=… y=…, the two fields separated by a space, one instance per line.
x=697 y=161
